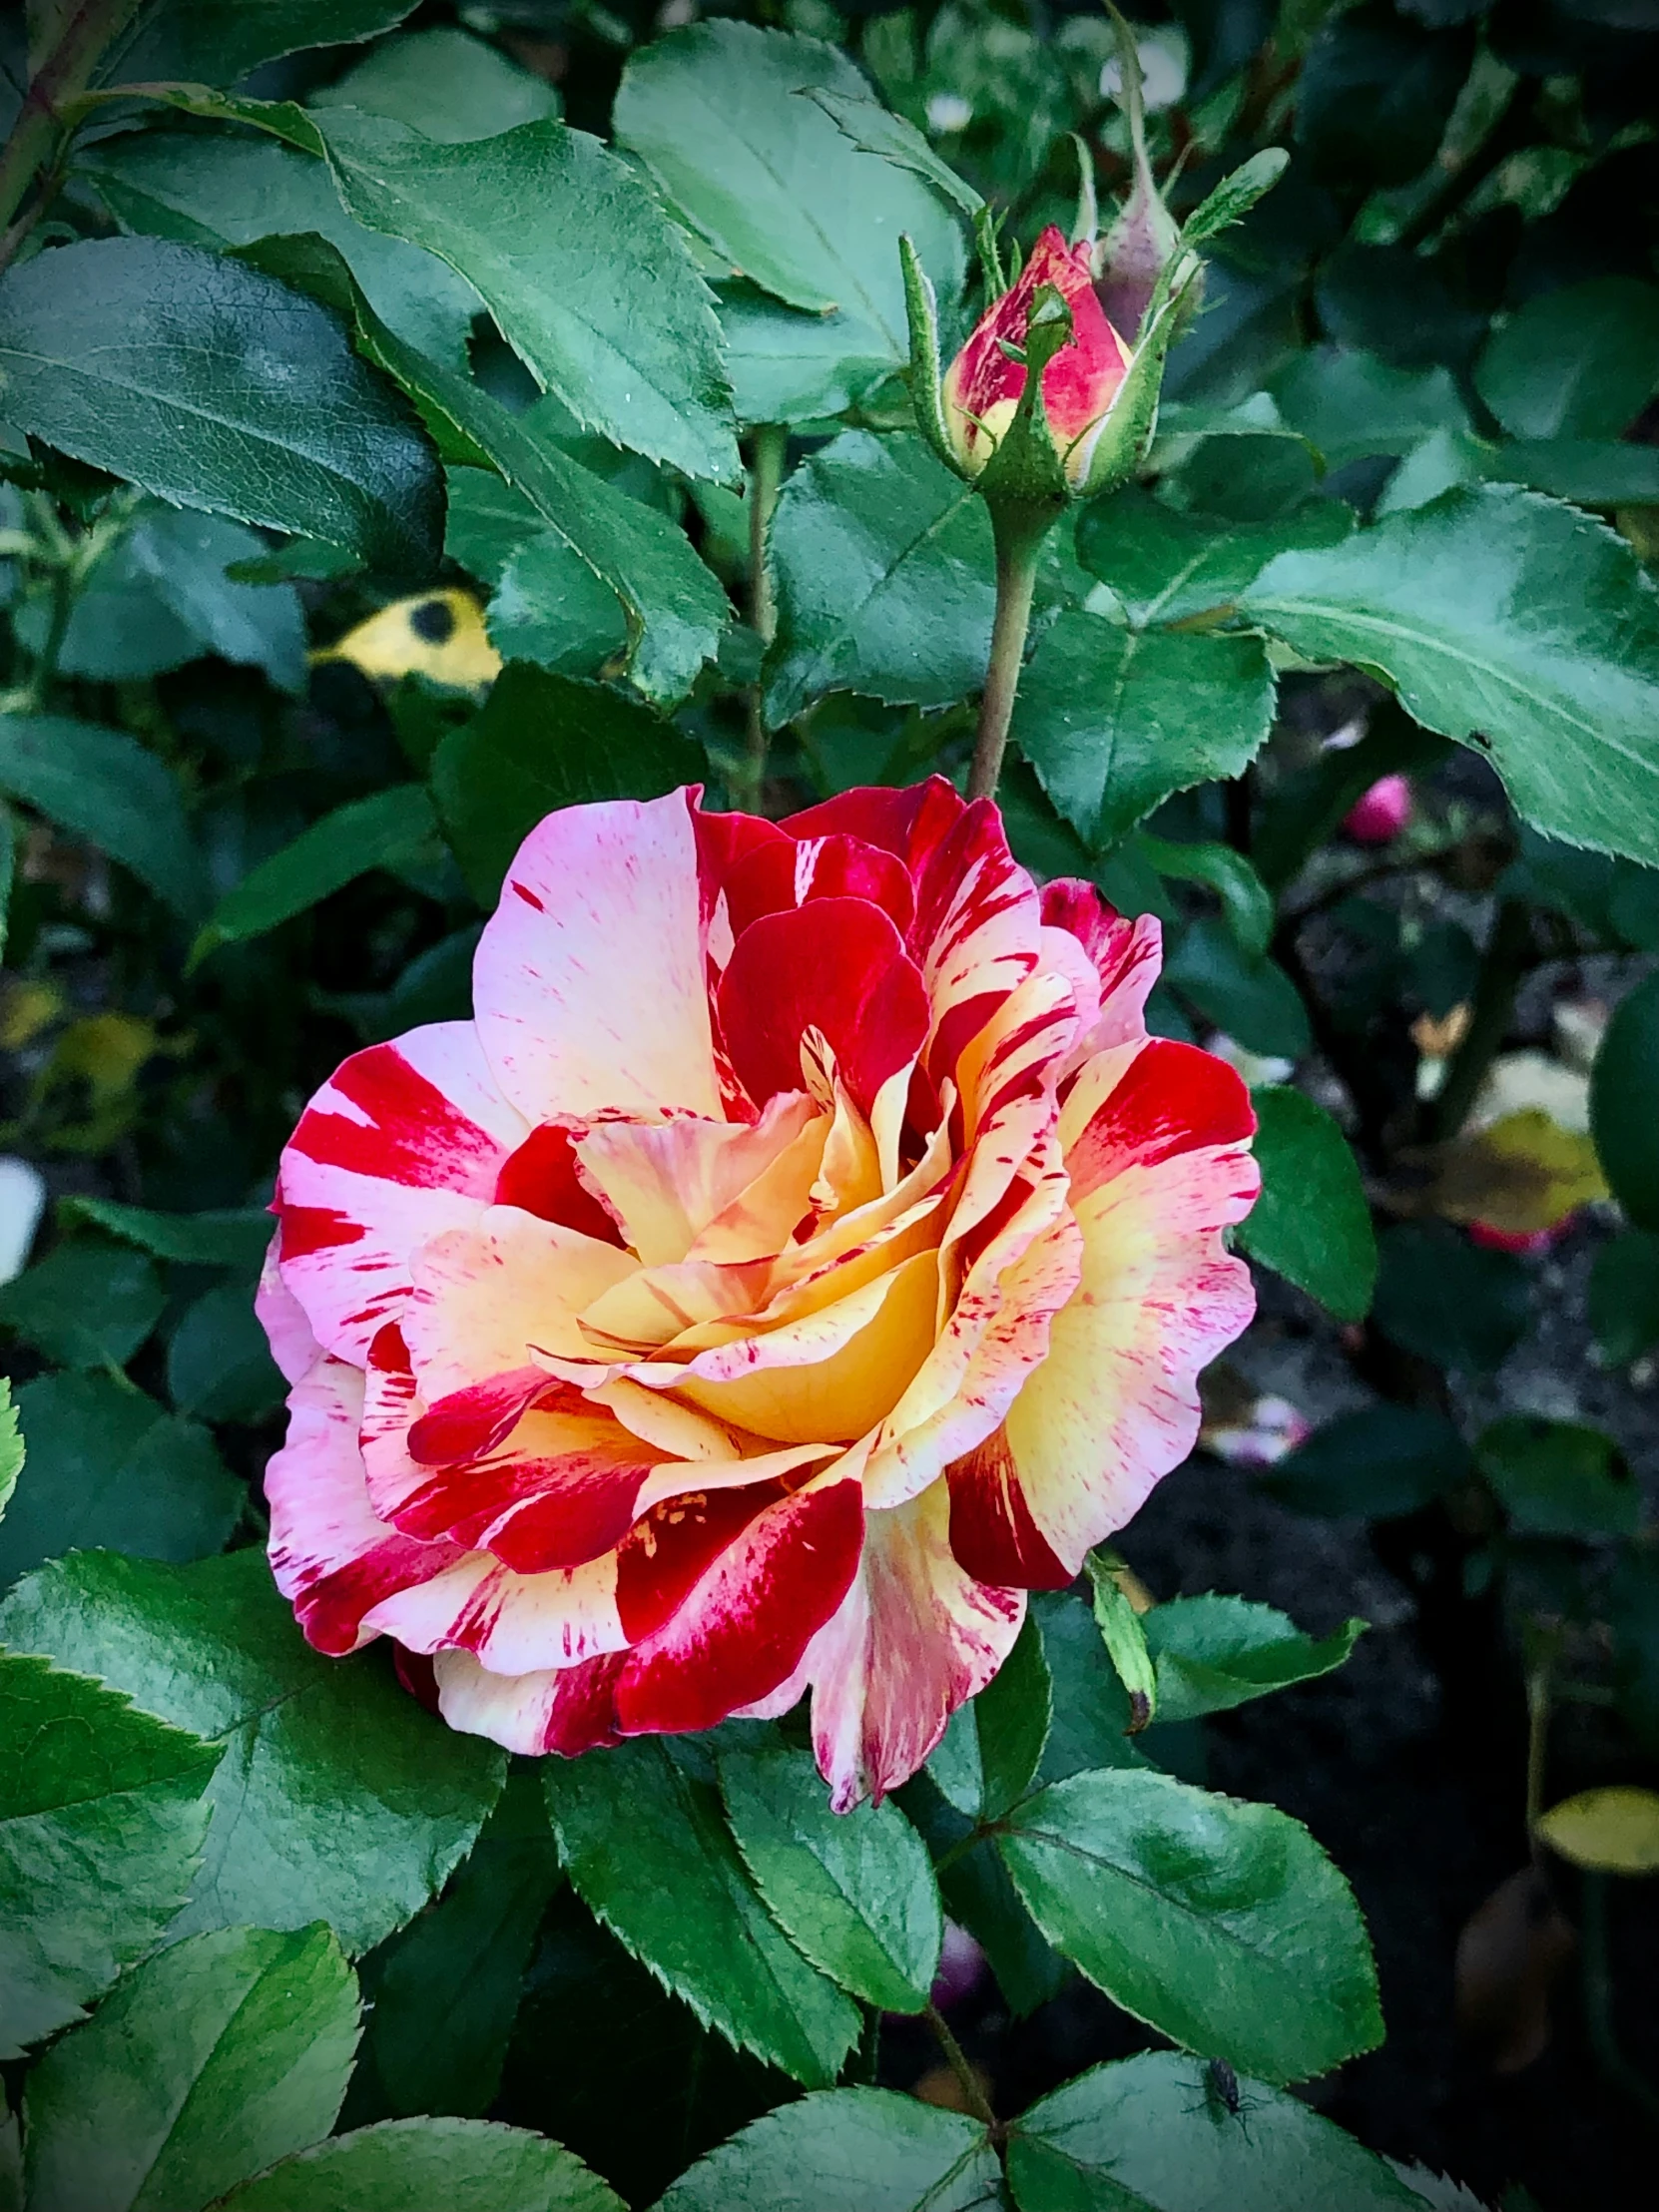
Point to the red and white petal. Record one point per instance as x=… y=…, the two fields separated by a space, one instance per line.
x=281 y=1314
x=588 y=981
x=667 y=1181
x=783 y=873
x=744 y=1627
x=403 y=1141
x=1126 y=956
x=555 y=1709
x=1158 y=1170
x=511 y=1623
x=913 y=1638
x=332 y=1555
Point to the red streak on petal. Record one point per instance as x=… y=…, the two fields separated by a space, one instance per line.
x=787 y=873
x=992 y=1532
x=412 y=1134
x=541 y=1178
x=667 y=1552
x=469 y=1423
x=309 y=1229
x=1173 y=1098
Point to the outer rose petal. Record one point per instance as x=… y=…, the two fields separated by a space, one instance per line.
x=282 y=1317
x=562 y=1709
x=402 y=1141
x=589 y=980
x=1157 y=1170
x=914 y=1636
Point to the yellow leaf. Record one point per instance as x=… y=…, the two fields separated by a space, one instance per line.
x=108 y=1050
x=437 y=633
x=1519 y=1175
x=1613 y=1831
x=29 y=1007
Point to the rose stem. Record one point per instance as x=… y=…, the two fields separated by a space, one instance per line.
x=1019 y=533
x=972 y=2088
x=766 y=475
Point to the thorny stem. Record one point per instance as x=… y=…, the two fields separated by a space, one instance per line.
x=37 y=134
x=765 y=477
x=1019 y=533
x=978 y=2104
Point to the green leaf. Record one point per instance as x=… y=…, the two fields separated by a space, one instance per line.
x=1252 y=1000
x=381 y=830
x=1245 y=901
x=1376 y=94
x=134 y=354
x=445 y=84
x=225 y=1237
x=786 y=367
x=1449 y=1301
x=413 y=2165
x=877 y=130
x=338 y=1798
x=444 y=1992
x=550 y=608
x=562 y=241
x=1215 y=1652
x=1221 y=1925
x=486 y=522
x=1560 y=1479
x=102 y=1818
x=1153 y=2135
x=1574 y=363
x=1235 y=195
x=986 y=1761
x=1123 y=1633
x=86 y=1305
x=853 y=1890
x=539 y=743
x=1311 y=1222
x=224 y=189
x=209 y=43
x=218 y=1364
x=1163 y=566
x=846 y=2151
x=1501 y=617
x=1624 y=1296
x=101 y=784
x=720 y=113
x=1091 y=1706
x=108 y=1467
x=1350 y=406
x=11 y=1445
x=884 y=575
x=1379 y=1462
x=1624 y=1084
x=682 y=1900
x=1114 y=721
x=213 y=2059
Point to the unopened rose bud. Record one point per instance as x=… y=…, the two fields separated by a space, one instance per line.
x=1131 y=256
x=985 y=383
x=1380 y=814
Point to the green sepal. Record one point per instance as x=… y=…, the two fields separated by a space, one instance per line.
x=1086 y=221
x=1124 y=437
x=1027 y=470
x=1125 y=1639
x=925 y=375
x=1235 y=195
x=990 y=253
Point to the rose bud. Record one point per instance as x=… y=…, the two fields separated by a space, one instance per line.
x=985 y=383
x=1380 y=814
x=1131 y=256
x=803 y=1253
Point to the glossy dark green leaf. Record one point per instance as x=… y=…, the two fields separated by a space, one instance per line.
x=877 y=130
x=1449 y=1301
x=550 y=608
x=1154 y=2134
x=445 y=1991
x=1163 y=566
x=1503 y=618
x=1252 y=1000
x=1558 y=1477
x=1245 y=901
x=993 y=1745
x=1376 y=94
x=1624 y=1295
x=979 y=1897
x=1349 y=405
x=562 y=241
x=415 y=2165
x=1311 y=1222
x=1215 y=1652
x=102 y=1817
x=379 y=832
x=886 y=578
x=541 y=741
x=718 y=113
x=136 y=355
x=1092 y=1715
x=854 y=1890
x=339 y=1797
x=108 y=1467
x=1221 y=1925
x=218 y=1364
x=206 y=42
x=225 y=1237
x=101 y=784
x=790 y=366
x=846 y=2151
x=681 y=1899
x=214 y=2058
x=486 y=522
x=1378 y=1462
x=1624 y=1085
x=1574 y=363
x=1114 y=721
x=87 y=1304
x=222 y=190
x=445 y=84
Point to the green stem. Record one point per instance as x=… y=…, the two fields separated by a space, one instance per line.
x=1598 y=2001
x=1539 y=1701
x=1019 y=531
x=37 y=134
x=1507 y=957
x=766 y=477
x=973 y=2094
